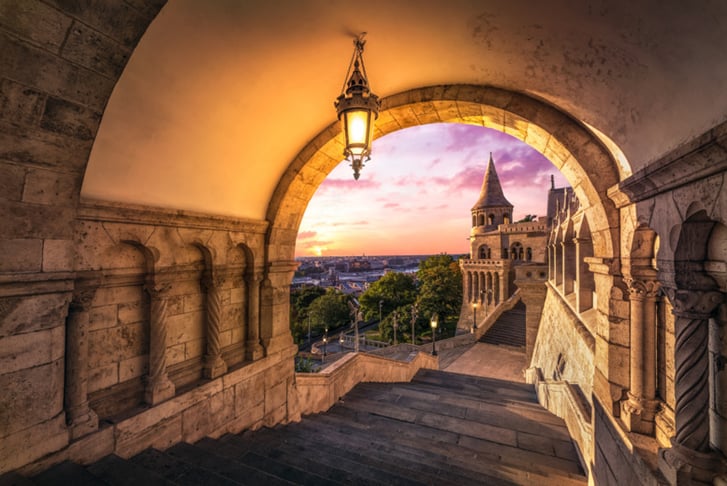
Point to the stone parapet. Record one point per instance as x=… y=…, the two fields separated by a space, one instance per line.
x=247 y=397
x=317 y=392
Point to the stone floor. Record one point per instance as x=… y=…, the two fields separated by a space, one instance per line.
x=486 y=360
x=441 y=428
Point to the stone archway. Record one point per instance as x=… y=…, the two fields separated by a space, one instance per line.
x=575 y=151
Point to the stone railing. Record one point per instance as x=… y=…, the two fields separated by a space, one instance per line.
x=317 y=392
x=566 y=401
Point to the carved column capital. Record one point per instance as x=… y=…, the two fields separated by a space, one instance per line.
x=642 y=288
x=157 y=290
x=694 y=304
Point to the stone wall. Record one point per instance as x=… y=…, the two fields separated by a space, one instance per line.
x=165 y=308
x=564 y=347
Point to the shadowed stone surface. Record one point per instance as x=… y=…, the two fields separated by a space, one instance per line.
x=442 y=428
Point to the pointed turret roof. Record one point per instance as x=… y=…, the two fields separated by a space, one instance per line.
x=491 y=194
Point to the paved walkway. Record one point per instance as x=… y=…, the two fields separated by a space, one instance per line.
x=486 y=360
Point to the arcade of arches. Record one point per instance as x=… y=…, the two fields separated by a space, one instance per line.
x=146 y=264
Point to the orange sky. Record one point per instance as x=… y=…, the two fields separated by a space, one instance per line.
x=415 y=195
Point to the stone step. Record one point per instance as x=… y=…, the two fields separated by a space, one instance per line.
x=208 y=460
x=67 y=473
x=13 y=478
x=117 y=471
x=509 y=329
x=310 y=448
x=232 y=450
x=178 y=472
x=523 y=420
x=442 y=428
x=471 y=457
x=418 y=457
x=481 y=388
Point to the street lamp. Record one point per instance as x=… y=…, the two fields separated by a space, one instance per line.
x=474 y=318
x=357 y=108
x=341 y=339
x=414 y=315
x=434 y=323
x=325 y=345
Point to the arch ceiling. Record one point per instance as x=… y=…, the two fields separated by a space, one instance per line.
x=219 y=97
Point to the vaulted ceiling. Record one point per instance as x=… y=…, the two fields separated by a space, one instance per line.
x=220 y=96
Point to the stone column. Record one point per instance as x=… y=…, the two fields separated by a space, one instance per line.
x=214 y=365
x=690 y=459
x=468 y=285
x=640 y=407
x=80 y=418
x=158 y=387
x=253 y=348
x=503 y=286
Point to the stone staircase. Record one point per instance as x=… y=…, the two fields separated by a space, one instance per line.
x=509 y=329
x=441 y=428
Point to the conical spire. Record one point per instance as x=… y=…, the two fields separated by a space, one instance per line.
x=491 y=194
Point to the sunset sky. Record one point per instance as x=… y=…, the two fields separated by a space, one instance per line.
x=414 y=196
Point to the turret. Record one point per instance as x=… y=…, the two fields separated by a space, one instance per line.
x=491 y=208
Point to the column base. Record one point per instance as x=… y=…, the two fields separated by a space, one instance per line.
x=253 y=351
x=683 y=466
x=638 y=415
x=160 y=391
x=81 y=422
x=214 y=367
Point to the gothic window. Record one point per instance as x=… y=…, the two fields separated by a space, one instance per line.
x=491 y=219
x=481 y=220
x=529 y=254
x=483 y=252
x=506 y=218
x=517 y=251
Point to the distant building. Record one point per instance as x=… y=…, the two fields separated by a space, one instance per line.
x=498 y=245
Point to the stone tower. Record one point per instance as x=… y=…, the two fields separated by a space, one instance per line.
x=492 y=208
x=497 y=247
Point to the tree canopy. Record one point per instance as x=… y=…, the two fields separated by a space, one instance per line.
x=330 y=310
x=393 y=290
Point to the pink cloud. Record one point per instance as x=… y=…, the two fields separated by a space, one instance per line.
x=349 y=184
x=391 y=205
x=304 y=235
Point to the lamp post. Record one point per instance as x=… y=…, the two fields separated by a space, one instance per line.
x=325 y=345
x=414 y=315
x=357 y=108
x=341 y=340
x=434 y=323
x=474 y=318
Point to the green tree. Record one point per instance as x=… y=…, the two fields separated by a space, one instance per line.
x=403 y=317
x=440 y=290
x=300 y=300
x=393 y=290
x=329 y=311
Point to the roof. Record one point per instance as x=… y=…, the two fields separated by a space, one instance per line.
x=491 y=194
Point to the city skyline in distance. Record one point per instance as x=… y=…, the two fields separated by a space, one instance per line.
x=414 y=196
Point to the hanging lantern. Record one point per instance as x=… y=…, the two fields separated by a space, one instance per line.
x=357 y=108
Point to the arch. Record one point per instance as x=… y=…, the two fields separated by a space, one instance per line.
x=506 y=218
x=480 y=219
x=482 y=252
x=490 y=219
x=572 y=148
